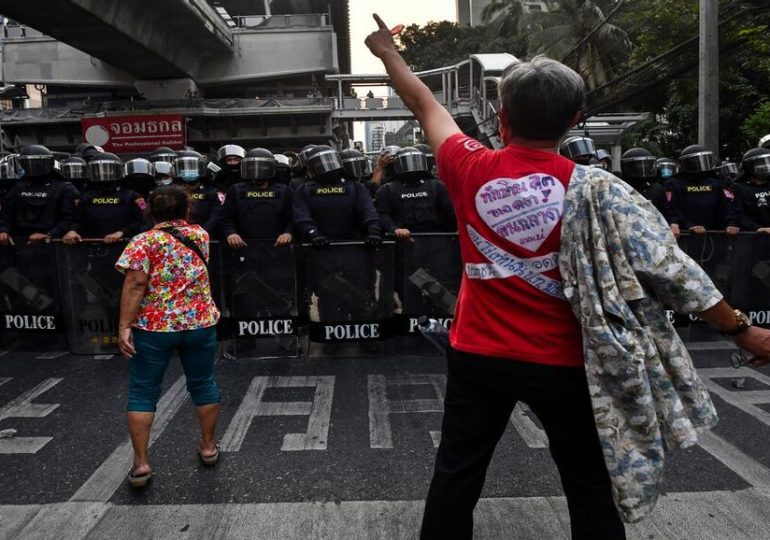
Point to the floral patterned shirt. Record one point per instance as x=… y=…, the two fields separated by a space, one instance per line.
x=178 y=295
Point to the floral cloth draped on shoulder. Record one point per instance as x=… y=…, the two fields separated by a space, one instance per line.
x=178 y=295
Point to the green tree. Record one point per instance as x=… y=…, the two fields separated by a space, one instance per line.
x=502 y=16
x=572 y=31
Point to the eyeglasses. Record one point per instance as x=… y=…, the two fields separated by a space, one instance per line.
x=738 y=359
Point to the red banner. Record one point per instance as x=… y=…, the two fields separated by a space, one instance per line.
x=135 y=134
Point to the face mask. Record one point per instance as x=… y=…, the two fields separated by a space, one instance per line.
x=163 y=181
x=188 y=177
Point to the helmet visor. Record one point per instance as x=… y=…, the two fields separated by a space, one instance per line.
x=356 y=166
x=257 y=168
x=410 y=162
x=36 y=165
x=189 y=169
x=74 y=171
x=137 y=167
x=580 y=146
x=758 y=166
x=666 y=169
x=230 y=150
x=729 y=169
x=105 y=171
x=324 y=162
x=698 y=162
x=639 y=167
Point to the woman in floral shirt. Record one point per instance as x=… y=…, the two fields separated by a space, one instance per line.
x=166 y=306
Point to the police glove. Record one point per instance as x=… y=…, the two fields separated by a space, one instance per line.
x=373 y=240
x=319 y=241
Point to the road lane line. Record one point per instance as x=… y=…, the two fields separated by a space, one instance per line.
x=112 y=472
x=752 y=471
x=21 y=407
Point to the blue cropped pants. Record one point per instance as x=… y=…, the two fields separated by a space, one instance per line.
x=197 y=352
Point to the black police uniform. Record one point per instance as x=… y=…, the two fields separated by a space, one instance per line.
x=206 y=208
x=338 y=210
x=700 y=199
x=753 y=200
x=39 y=206
x=254 y=212
x=422 y=206
x=100 y=213
x=653 y=192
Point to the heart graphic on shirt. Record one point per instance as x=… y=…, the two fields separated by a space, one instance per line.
x=523 y=211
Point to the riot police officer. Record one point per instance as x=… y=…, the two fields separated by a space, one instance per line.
x=359 y=168
x=106 y=210
x=752 y=193
x=164 y=173
x=9 y=174
x=163 y=153
x=229 y=159
x=579 y=149
x=327 y=208
x=728 y=172
x=75 y=170
x=87 y=151
x=140 y=176
x=205 y=209
x=666 y=168
x=414 y=201
x=41 y=205
x=430 y=158
x=638 y=169
x=259 y=207
x=698 y=200
x=605 y=160
x=283 y=171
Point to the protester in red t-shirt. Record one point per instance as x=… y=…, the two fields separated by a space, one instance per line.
x=514 y=337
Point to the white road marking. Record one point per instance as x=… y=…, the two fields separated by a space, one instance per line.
x=720 y=345
x=380 y=407
x=51 y=355
x=533 y=436
x=22 y=407
x=753 y=472
x=253 y=405
x=101 y=485
x=746 y=401
x=4 y=380
x=712 y=515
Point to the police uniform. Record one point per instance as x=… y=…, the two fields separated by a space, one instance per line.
x=101 y=213
x=753 y=200
x=206 y=208
x=653 y=192
x=700 y=200
x=338 y=210
x=46 y=206
x=254 y=212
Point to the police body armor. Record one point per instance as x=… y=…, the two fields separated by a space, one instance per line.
x=204 y=202
x=414 y=205
x=333 y=208
x=38 y=204
x=261 y=213
x=104 y=212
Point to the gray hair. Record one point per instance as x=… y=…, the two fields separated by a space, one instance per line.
x=540 y=98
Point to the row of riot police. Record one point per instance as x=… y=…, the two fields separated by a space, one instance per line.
x=695 y=192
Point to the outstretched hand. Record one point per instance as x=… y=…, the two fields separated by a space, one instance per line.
x=380 y=42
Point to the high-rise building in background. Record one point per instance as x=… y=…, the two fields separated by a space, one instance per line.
x=469 y=11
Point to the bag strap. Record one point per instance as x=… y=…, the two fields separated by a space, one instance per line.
x=185 y=241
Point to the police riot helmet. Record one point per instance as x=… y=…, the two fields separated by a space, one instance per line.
x=105 y=167
x=764 y=142
x=756 y=163
x=324 y=163
x=139 y=167
x=230 y=151
x=74 y=169
x=697 y=159
x=577 y=147
x=728 y=170
x=429 y=156
x=163 y=153
x=88 y=151
x=164 y=173
x=36 y=160
x=259 y=164
x=410 y=162
x=302 y=156
x=666 y=167
x=354 y=162
x=638 y=163
x=189 y=167
x=605 y=157
x=282 y=168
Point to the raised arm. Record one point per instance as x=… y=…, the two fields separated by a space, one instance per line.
x=435 y=120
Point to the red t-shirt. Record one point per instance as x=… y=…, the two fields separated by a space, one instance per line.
x=509 y=204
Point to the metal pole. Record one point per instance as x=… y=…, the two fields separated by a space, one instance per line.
x=708 y=76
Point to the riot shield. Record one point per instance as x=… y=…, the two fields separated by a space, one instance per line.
x=348 y=297
x=90 y=294
x=260 y=308
x=751 y=280
x=30 y=310
x=428 y=274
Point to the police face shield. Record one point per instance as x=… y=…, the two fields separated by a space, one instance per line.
x=758 y=167
x=356 y=167
x=230 y=150
x=323 y=163
x=166 y=157
x=137 y=167
x=257 y=168
x=698 y=162
x=578 y=147
x=105 y=171
x=189 y=169
x=728 y=170
x=410 y=163
x=666 y=169
x=639 y=167
x=36 y=165
x=74 y=171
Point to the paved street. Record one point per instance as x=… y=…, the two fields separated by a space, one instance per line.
x=330 y=448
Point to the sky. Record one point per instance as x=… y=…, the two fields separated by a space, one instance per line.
x=393 y=12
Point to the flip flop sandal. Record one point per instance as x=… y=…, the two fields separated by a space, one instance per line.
x=209 y=460
x=139 y=481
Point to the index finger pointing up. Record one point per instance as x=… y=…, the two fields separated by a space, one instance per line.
x=380 y=24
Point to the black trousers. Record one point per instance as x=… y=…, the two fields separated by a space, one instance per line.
x=480 y=396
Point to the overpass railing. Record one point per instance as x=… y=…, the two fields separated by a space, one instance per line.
x=285 y=302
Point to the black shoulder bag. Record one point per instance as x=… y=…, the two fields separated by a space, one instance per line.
x=185 y=241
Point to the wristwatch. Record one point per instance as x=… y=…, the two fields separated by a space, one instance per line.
x=742 y=321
